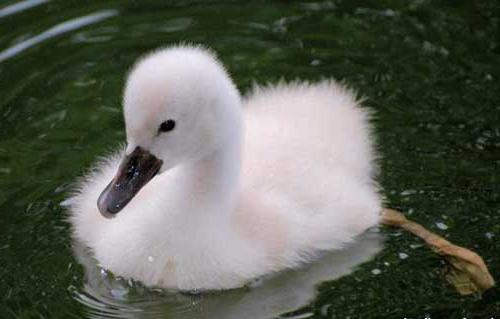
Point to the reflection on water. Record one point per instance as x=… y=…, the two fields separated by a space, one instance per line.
x=56 y=30
x=20 y=6
x=106 y=296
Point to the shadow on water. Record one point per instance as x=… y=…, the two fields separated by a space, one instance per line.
x=109 y=297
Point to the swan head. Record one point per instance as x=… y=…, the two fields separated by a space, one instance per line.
x=179 y=106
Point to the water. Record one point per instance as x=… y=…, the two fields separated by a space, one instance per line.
x=431 y=70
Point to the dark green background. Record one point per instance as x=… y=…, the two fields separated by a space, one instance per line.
x=430 y=69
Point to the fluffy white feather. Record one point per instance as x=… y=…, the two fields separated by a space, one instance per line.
x=246 y=189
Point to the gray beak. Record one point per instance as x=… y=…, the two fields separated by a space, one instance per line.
x=135 y=171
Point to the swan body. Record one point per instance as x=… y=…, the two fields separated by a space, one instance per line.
x=245 y=187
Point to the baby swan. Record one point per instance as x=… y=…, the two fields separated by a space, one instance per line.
x=210 y=193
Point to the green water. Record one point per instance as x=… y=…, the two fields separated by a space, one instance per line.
x=430 y=69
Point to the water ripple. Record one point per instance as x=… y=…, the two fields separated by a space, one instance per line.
x=20 y=6
x=56 y=30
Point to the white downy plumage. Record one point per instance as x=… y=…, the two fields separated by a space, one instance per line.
x=246 y=188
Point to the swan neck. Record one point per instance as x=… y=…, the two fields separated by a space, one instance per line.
x=214 y=178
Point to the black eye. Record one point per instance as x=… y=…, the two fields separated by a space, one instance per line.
x=167 y=126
